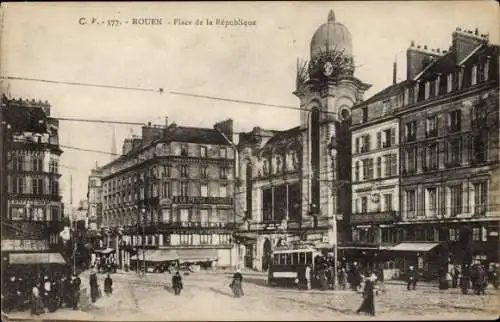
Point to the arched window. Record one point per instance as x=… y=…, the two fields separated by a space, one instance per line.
x=315 y=155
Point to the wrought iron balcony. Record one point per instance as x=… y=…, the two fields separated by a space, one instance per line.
x=375 y=217
x=202 y=200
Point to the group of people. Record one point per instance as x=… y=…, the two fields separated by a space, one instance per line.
x=95 y=290
x=106 y=264
x=42 y=292
x=475 y=277
x=236 y=284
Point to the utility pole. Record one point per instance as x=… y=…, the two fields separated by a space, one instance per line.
x=4 y=148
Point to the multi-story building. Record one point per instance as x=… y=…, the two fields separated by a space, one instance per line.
x=94 y=196
x=172 y=190
x=444 y=120
x=294 y=184
x=449 y=130
x=31 y=201
x=375 y=173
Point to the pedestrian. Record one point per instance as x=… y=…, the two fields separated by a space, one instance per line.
x=36 y=300
x=308 y=277
x=343 y=278
x=412 y=279
x=237 y=284
x=108 y=285
x=94 y=286
x=454 y=281
x=494 y=276
x=368 y=304
x=68 y=291
x=177 y=283
x=75 y=288
x=465 y=280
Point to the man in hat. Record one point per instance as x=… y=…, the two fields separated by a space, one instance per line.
x=412 y=278
x=94 y=286
x=75 y=285
x=177 y=283
x=237 y=284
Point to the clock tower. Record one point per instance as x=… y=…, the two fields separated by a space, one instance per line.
x=327 y=89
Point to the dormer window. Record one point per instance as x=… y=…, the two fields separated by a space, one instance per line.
x=405 y=98
x=449 y=83
x=427 y=90
x=184 y=150
x=486 y=69
x=474 y=75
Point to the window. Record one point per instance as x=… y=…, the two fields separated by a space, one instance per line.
x=38 y=214
x=479 y=148
x=223 y=190
x=54 y=187
x=394 y=165
x=449 y=82
x=167 y=171
x=223 y=173
x=18 y=185
x=476 y=234
x=387 y=202
x=387 y=165
x=204 y=190
x=184 y=171
x=356 y=171
x=37 y=164
x=454 y=121
x=364 y=115
x=389 y=138
x=480 y=198
x=454 y=154
x=453 y=234
x=223 y=153
x=486 y=70
x=184 y=150
x=432 y=157
x=184 y=189
x=53 y=166
x=365 y=143
x=379 y=140
x=367 y=169
x=205 y=239
x=437 y=81
x=166 y=216
x=37 y=186
x=204 y=172
x=427 y=92
x=379 y=167
x=357 y=145
x=386 y=107
x=411 y=131
x=204 y=217
x=432 y=201
x=474 y=75
x=203 y=151
x=364 y=204
x=411 y=202
x=166 y=190
x=184 y=215
x=185 y=239
x=18 y=163
x=456 y=199
x=411 y=159
x=406 y=96
x=431 y=126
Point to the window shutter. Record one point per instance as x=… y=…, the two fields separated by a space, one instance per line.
x=357 y=145
x=393 y=136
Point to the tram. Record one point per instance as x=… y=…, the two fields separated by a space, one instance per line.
x=288 y=265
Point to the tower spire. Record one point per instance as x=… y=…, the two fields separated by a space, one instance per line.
x=331 y=16
x=113 y=145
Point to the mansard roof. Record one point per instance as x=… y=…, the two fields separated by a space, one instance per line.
x=194 y=135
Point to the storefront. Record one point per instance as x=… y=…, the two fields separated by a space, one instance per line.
x=426 y=258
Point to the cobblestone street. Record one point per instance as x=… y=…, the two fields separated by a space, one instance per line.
x=207 y=296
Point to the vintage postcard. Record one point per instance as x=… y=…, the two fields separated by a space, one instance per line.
x=250 y=161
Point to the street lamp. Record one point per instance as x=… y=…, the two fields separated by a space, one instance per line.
x=332 y=149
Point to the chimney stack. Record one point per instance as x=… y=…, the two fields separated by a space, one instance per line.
x=394 y=73
x=464 y=42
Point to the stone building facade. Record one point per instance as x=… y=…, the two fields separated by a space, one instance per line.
x=172 y=190
x=32 y=211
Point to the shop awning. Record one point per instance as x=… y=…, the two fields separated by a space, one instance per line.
x=197 y=255
x=157 y=255
x=36 y=258
x=414 y=247
x=105 y=251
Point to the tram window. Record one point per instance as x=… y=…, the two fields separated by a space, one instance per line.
x=309 y=258
x=302 y=258
x=283 y=259
x=288 y=259
x=295 y=258
x=276 y=259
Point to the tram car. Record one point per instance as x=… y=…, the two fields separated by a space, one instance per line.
x=288 y=266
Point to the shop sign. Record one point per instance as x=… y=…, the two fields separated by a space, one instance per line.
x=24 y=245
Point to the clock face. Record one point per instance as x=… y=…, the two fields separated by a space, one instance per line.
x=327 y=68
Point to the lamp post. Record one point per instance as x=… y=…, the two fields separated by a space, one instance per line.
x=143 y=210
x=332 y=148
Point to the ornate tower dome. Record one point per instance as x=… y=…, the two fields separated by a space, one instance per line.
x=331 y=36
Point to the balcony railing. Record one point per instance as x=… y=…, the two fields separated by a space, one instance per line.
x=192 y=224
x=431 y=133
x=202 y=200
x=375 y=217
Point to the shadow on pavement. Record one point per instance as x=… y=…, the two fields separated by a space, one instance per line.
x=312 y=304
x=213 y=289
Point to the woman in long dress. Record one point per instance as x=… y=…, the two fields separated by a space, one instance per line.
x=368 y=305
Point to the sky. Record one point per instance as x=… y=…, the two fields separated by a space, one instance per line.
x=253 y=63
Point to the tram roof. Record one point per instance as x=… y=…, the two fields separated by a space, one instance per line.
x=295 y=250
